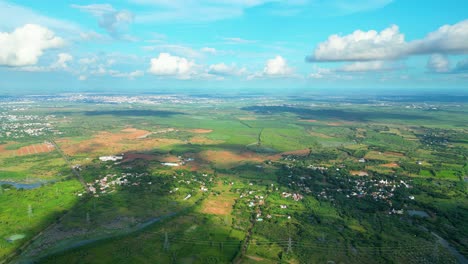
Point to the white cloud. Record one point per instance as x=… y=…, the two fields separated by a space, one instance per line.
x=86 y=61
x=238 y=41
x=167 y=65
x=438 y=63
x=112 y=20
x=362 y=46
x=25 y=45
x=179 y=50
x=390 y=44
x=367 y=66
x=277 y=67
x=448 y=39
x=62 y=61
x=222 y=69
x=320 y=73
x=209 y=50
x=202 y=10
x=13 y=16
x=130 y=75
x=211 y=10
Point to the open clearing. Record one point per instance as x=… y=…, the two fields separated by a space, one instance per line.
x=200 y=131
x=228 y=157
x=35 y=149
x=219 y=204
x=105 y=143
x=390 y=165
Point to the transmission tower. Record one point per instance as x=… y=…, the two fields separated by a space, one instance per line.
x=166 y=241
x=289 y=245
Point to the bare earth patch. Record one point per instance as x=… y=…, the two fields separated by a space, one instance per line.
x=308 y=120
x=201 y=131
x=107 y=143
x=219 y=204
x=390 y=165
x=228 y=157
x=359 y=173
x=35 y=149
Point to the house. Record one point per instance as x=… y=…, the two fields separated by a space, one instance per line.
x=110 y=158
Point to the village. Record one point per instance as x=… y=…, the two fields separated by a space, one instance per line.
x=16 y=126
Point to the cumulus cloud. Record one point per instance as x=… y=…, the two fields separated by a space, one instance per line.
x=112 y=20
x=222 y=69
x=277 y=67
x=25 y=45
x=62 y=61
x=167 y=65
x=438 y=63
x=390 y=44
x=448 y=39
x=362 y=46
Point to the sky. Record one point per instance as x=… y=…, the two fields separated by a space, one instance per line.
x=230 y=45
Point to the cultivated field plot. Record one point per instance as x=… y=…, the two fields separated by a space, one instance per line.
x=35 y=149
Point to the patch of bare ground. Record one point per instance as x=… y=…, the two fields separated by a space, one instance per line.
x=359 y=173
x=200 y=131
x=391 y=165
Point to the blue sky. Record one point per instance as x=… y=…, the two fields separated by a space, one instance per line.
x=172 y=45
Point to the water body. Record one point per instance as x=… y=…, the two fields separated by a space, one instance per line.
x=26 y=186
x=418 y=213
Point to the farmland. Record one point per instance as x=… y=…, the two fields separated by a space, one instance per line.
x=203 y=179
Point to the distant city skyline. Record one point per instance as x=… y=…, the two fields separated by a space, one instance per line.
x=225 y=46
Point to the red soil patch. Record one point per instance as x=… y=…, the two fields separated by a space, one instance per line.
x=224 y=156
x=390 y=165
x=359 y=173
x=228 y=157
x=35 y=149
x=2 y=149
x=200 y=131
x=218 y=206
x=113 y=143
